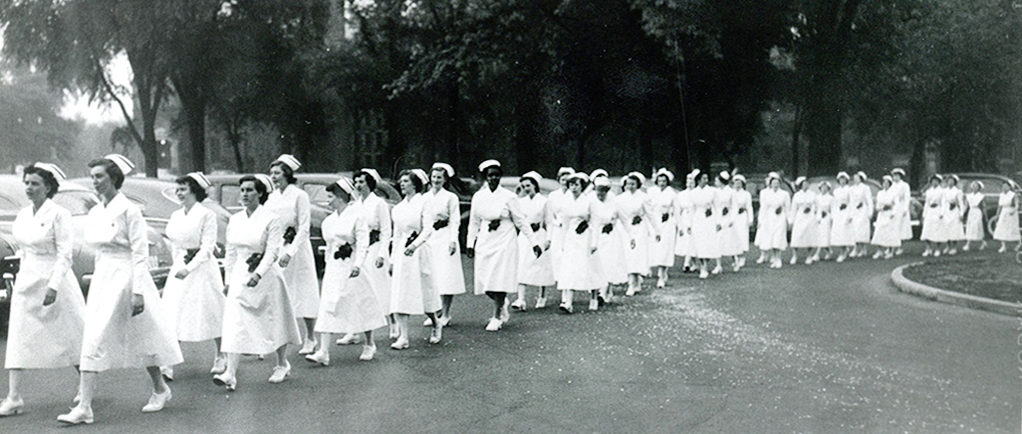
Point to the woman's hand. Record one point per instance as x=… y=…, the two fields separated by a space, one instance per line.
x=546 y=245
x=137 y=304
x=633 y=244
x=226 y=290
x=410 y=250
x=354 y=272
x=379 y=262
x=51 y=296
x=592 y=250
x=254 y=280
x=181 y=274
x=284 y=260
x=470 y=252
x=453 y=248
x=657 y=238
x=537 y=250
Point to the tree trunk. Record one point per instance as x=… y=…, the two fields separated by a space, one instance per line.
x=823 y=127
x=193 y=107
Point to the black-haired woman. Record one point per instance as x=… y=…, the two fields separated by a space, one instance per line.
x=804 y=223
x=662 y=199
x=841 y=233
x=291 y=205
x=887 y=235
x=743 y=218
x=125 y=324
x=441 y=212
x=258 y=315
x=194 y=292
x=953 y=204
x=493 y=242
x=1006 y=229
x=347 y=303
x=47 y=308
x=974 y=222
x=637 y=210
x=579 y=244
x=533 y=271
x=774 y=204
x=705 y=225
x=933 y=217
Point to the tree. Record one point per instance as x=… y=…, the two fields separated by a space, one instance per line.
x=33 y=129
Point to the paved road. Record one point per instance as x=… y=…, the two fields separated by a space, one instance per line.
x=830 y=348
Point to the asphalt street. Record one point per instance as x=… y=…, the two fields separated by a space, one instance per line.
x=827 y=348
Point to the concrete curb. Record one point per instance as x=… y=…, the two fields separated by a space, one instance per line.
x=936 y=294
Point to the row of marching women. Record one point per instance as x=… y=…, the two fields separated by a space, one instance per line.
x=951 y=216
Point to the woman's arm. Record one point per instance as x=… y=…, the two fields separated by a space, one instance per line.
x=207 y=242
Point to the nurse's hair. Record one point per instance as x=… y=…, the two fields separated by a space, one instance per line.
x=193 y=186
x=259 y=186
x=51 y=181
x=370 y=180
x=111 y=169
x=336 y=190
x=289 y=175
x=416 y=182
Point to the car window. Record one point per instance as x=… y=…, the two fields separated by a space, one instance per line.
x=8 y=207
x=77 y=202
x=230 y=196
x=317 y=194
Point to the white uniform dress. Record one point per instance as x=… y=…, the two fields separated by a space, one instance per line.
x=195 y=304
x=933 y=216
x=45 y=336
x=861 y=202
x=635 y=209
x=743 y=219
x=113 y=338
x=953 y=205
x=532 y=270
x=555 y=226
x=902 y=203
x=841 y=218
x=580 y=270
x=804 y=226
x=258 y=319
x=724 y=204
x=611 y=243
x=665 y=224
x=376 y=215
x=442 y=213
x=824 y=218
x=411 y=288
x=683 y=215
x=347 y=304
x=974 y=221
x=887 y=233
x=705 y=223
x=1007 y=218
x=491 y=230
x=773 y=211
x=293 y=211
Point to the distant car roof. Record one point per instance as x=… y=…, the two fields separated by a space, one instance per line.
x=13 y=199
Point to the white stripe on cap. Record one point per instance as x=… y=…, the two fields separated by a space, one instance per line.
x=289 y=160
x=564 y=171
x=373 y=173
x=346 y=185
x=265 y=179
x=422 y=176
x=598 y=173
x=488 y=164
x=533 y=175
x=667 y=173
x=445 y=167
x=122 y=163
x=53 y=169
x=200 y=178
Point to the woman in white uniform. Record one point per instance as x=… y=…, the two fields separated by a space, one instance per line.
x=887 y=235
x=533 y=271
x=493 y=244
x=824 y=219
x=125 y=324
x=344 y=305
x=194 y=292
x=291 y=205
x=665 y=225
x=258 y=316
x=442 y=212
x=376 y=214
x=611 y=244
x=974 y=221
x=412 y=289
x=636 y=209
x=861 y=200
x=953 y=205
x=47 y=308
x=774 y=204
x=1006 y=229
x=580 y=244
x=842 y=212
x=743 y=218
x=903 y=203
x=933 y=217
x=555 y=227
x=705 y=225
x=683 y=215
x=758 y=241
x=804 y=227
x=724 y=203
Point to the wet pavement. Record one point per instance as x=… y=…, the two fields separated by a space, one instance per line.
x=828 y=348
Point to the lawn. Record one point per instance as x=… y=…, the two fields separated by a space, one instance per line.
x=992 y=276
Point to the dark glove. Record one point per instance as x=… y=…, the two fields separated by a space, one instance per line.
x=289 y=235
x=582 y=227
x=537 y=250
x=344 y=251
x=741 y=210
x=665 y=217
x=440 y=224
x=954 y=205
x=886 y=208
x=709 y=212
x=374 y=236
x=608 y=228
x=933 y=205
x=778 y=211
x=494 y=224
x=190 y=254
x=859 y=206
x=470 y=252
x=536 y=227
x=843 y=207
x=723 y=211
x=636 y=220
x=253 y=261
x=806 y=210
x=411 y=238
x=823 y=214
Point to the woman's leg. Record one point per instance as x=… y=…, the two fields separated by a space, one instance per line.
x=159 y=384
x=13 y=384
x=446 y=301
x=519 y=303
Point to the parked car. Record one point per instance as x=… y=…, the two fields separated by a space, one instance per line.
x=992 y=185
x=78 y=200
x=225 y=191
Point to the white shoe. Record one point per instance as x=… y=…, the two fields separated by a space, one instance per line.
x=761 y=260
x=157 y=401
x=400 y=344
x=308 y=348
x=427 y=322
x=794 y=260
x=219 y=365
x=594 y=305
x=566 y=308
x=77 y=416
x=809 y=260
x=368 y=352
x=445 y=320
x=1002 y=249
x=321 y=356
x=717 y=269
x=11 y=408
x=840 y=259
x=703 y=274
x=505 y=313
x=493 y=325
x=965 y=248
x=878 y=254
x=936 y=253
x=350 y=339
x=630 y=292
x=394 y=332
x=280 y=373
x=952 y=252
x=737 y=267
x=519 y=304
x=815 y=258
x=927 y=252
x=540 y=302
x=436 y=335
x=661 y=282
x=226 y=380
